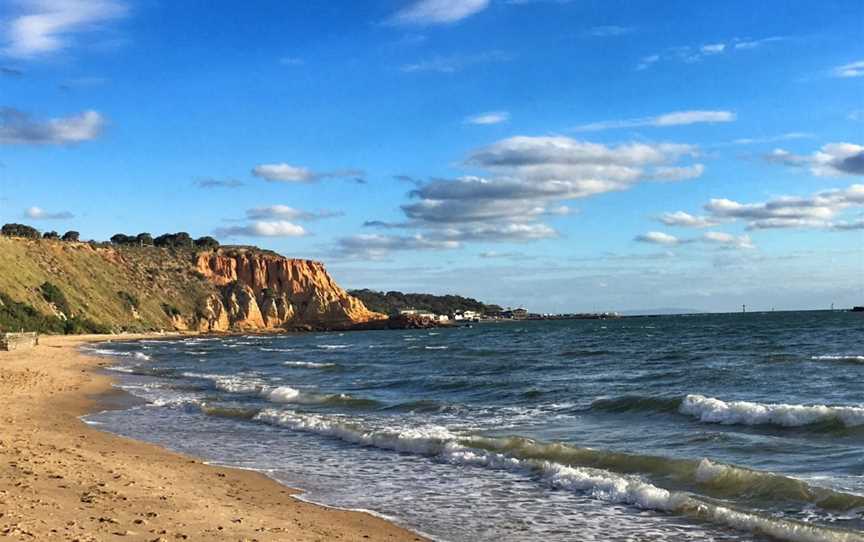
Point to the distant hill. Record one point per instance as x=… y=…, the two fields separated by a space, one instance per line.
x=660 y=311
x=393 y=302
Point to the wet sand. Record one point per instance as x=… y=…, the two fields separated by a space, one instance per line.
x=61 y=479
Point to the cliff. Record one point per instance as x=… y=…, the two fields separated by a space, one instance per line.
x=149 y=288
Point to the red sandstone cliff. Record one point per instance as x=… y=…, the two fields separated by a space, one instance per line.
x=261 y=291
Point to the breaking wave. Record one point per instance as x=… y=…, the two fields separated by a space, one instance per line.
x=712 y=410
x=542 y=463
x=839 y=357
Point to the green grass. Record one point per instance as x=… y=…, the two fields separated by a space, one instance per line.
x=99 y=285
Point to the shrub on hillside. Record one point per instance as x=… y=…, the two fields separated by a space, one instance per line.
x=20 y=230
x=52 y=294
x=123 y=239
x=170 y=310
x=53 y=235
x=130 y=300
x=144 y=239
x=71 y=236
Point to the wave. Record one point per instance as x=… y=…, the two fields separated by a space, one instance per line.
x=436 y=347
x=839 y=357
x=333 y=346
x=287 y=394
x=266 y=349
x=602 y=484
x=712 y=410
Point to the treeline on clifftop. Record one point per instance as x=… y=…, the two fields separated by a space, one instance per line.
x=167 y=240
x=393 y=302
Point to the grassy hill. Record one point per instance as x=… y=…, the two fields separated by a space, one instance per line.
x=393 y=302
x=105 y=287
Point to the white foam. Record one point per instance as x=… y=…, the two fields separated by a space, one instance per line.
x=142 y=356
x=712 y=410
x=265 y=349
x=232 y=384
x=436 y=347
x=333 y=346
x=600 y=484
x=838 y=357
x=282 y=394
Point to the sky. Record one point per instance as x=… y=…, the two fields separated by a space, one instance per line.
x=561 y=155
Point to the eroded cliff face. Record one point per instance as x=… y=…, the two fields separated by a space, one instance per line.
x=265 y=291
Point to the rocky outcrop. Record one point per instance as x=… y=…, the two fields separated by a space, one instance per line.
x=265 y=291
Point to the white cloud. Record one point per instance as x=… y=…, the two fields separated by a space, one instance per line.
x=816 y=211
x=726 y=240
x=832 y=160
x=772 y=139
x=18 y=128
x=657 y=238
x=376 y=247
x=713 y=48
x=37 y=213
x=491 y=117
x=276 y=228
x=671 y=173
x=455 y=63
x=284 y=212
x=676 y=118
x=753 y=44
x=282 y=172
x=686 y=220
x=853 y=69
x=46 y=26
x=431 y=12
x=210 y=182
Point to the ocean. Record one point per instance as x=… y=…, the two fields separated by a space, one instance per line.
x=707 y=427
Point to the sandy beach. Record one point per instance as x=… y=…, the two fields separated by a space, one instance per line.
x=62 y=479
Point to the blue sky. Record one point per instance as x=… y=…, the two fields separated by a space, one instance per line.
x=561 y=155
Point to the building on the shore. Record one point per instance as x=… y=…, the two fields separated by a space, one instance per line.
x=515 y=314
x=409 y=312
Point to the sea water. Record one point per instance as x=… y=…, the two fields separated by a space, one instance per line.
x=703 y=427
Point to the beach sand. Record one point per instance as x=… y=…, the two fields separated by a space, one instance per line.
x=63 y=480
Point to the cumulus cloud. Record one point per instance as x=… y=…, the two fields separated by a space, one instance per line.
x=492 y=117
x=37 y=213
x=831 y=160
x=728 y=240
x=41 y=27
x=275 y=228
x=432 y=12
x=376 y=247
x=284 y=212
x=853 y=69
x=657 y=238
x=282 y=172
x=676 y=118
x=19 y=128
x=528 y=179
x=686 y=220
x=816 y=211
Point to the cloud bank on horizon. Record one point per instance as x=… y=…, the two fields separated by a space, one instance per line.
x=421 y=135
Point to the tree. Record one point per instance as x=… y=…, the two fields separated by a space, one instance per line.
x=174 y=240
x=71 y=236
x=123 y=239
x=20 y=230
x=207 y=242
x=144 y=239
x=51 y=235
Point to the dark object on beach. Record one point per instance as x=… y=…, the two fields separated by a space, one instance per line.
x=858 y=308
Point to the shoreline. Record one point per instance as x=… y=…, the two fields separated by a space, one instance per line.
x=63 y=478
